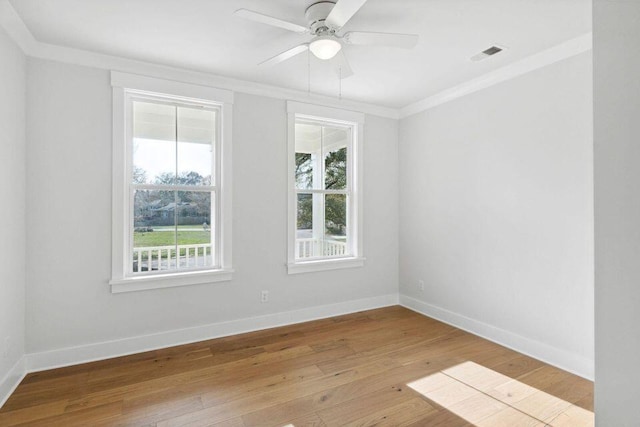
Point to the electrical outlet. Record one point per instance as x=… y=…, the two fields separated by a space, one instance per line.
x=421 y=285
x=7 y=347
x=264 y=296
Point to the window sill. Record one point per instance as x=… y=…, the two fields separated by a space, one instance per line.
x=323 y=265
x=169 y=280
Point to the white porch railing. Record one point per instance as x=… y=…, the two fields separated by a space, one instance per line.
x=307 y=248
x=171 y=257
x=156 y=258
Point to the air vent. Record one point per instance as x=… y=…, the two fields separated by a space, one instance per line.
x=487 y=53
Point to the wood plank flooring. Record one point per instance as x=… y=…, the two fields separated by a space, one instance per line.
x=385 y=367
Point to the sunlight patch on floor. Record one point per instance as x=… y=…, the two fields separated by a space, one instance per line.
x=487 y=398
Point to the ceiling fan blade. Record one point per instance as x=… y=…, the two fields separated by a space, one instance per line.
x=341 y=65
x=287 y=54
x=270 y=20
x=406 y=41
x=342 y=12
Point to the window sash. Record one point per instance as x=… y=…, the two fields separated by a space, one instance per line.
x=349 y=252
x=215 y=245
x=176 y=187
x=312 y=191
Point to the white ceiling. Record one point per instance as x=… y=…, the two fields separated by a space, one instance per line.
x=204 y=35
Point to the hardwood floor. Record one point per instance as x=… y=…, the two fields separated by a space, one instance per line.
x=379 y=367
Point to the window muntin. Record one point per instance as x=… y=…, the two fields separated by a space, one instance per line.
x=173 y=220
x=324 y=190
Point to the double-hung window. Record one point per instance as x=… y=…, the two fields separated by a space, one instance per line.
x=171 y=204
x=325 y=174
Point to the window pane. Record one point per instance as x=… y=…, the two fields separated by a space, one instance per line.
x=306 y=244
x=154 y=143
x=335 y=163
x=196 y=136
x=194 y=224
x=308 y=152
x=335 y=222
x=154 y=235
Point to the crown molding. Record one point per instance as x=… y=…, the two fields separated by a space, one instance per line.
x=15 y=27
x=557 y=53
x=18 y=31
x=114 y=63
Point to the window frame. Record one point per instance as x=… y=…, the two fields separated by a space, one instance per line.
x=126 y=88
x=336 y=117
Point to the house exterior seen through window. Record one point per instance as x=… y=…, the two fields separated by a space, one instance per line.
x=173 y=186
x=322 y=152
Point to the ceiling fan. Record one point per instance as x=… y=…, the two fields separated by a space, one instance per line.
x=325 y=19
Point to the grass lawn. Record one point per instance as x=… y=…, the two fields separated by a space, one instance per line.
x=165 y=236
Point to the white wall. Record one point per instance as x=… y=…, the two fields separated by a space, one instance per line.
x=12 y=197
x=617 y=201
x=69 y=221
x=496 y=212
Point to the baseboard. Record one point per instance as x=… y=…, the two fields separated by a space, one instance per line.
x=10 y=381
x=41 y=361
x=554 y=356
x=109 y=349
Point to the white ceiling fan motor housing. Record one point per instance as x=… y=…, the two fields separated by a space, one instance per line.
x=316 y=14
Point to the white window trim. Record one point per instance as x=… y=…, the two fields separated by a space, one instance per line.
x=120 y=282
x=336 y=115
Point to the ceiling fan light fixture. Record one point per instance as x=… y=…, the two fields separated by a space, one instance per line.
x=325 y=47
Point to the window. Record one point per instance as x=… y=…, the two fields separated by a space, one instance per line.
x=171 y=205
x=324 y=195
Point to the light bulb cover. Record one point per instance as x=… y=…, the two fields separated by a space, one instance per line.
x=325 y=47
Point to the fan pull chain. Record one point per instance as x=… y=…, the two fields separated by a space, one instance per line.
x=340 y=83
x=308 y=72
